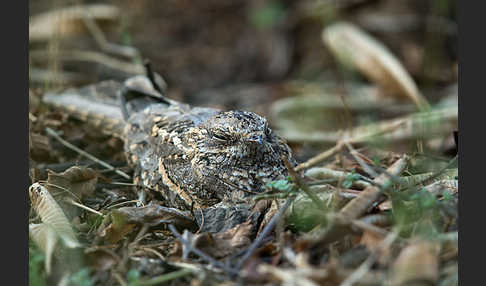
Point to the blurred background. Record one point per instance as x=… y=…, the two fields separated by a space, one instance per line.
x=264 y=56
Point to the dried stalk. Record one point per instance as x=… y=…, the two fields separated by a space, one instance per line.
x=358 y=206
x=319 y=158
x=85 y=154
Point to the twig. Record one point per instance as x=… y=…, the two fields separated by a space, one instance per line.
x=360 y=161
x=429 y=179
x=296 y=177
x=404 y=128
x=144 y=248
x=103 y=43
x=268 y=228
x=324 y=173
x=120 y=279
x=86 y=154
x=122 y=203
x=358 y=206
x=366 y=265
x=90 y=56
x=85 y=208
x=319 y=158
x=201 y=254
x=369 y=227
x=377 y=219
x=164 y=278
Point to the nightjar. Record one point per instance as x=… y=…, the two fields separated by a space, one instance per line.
x=197 y=158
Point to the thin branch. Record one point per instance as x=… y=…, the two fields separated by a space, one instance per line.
x=358 y=206
x=296 y=177
x=368 y=263
x=157 y=280
x=85 y=208
x=201 y=254
x=431 y=178
x=85 y=154
x=360 y=161
x=326 y=173
x=100 y=39
x=319 y=158
x=268 y=228
x=91 y=56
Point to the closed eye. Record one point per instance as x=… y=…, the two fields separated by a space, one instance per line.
x=220 y=137
x=266 y=129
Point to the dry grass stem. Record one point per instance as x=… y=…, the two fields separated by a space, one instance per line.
x=319 y=158
x=85 y=154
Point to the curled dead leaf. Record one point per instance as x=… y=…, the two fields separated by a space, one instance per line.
x=417 y=262
x=54 y=226
x=46 y=238
x=79 y=180
x=359 y=50
x=51 y=214
x=123 y=221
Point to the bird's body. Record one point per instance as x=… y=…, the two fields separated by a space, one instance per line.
x=196 y=157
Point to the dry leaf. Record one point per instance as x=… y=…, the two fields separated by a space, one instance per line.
x=118 y=228
x=359 y=50
x=51 y=214
x=68 y=21
x=374 y=242
x=223 y=244
x=124 y=220
x=154 y=214
x=417 y=262
x=79 y=180
x=46 y=238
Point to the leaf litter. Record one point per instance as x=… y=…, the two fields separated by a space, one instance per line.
x=363 y=207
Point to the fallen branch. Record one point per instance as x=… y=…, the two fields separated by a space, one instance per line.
x=268 y=228
x=359 y=205
x=201 y=254
x=319 y=158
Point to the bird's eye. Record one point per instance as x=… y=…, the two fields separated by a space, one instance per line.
x=220 y=137
x=267 y=130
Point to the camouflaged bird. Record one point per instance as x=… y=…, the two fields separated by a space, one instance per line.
x=195 y=157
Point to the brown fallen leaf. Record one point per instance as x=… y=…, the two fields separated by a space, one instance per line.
x=359 y=50
x=80 y=181
x=223 y=244
x=374 y=242
x=123 y=221
x=417 y=262
x=39 y=146
x=227 y=242
x=54 y=226
x=118 y=228
x=155 y=214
